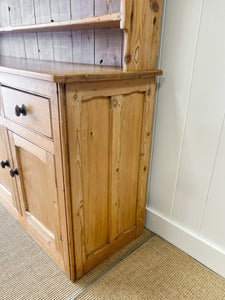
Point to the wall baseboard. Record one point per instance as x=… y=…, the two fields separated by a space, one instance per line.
x=193 y=245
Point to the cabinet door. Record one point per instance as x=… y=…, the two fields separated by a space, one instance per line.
x=35 y=175
x=6 y=182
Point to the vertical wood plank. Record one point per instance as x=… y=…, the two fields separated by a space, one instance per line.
x=31 y=45
x=141 y=25
x=83 y=46
x=27 y=12
x=95 y=157
x=4 y=14
x=30 y=39
x=114 y=165
x=131 y=113
x=147 y=121
x=45 y=46
x=73 y=105
x=18 y=49
x=108 y=43
x=83 y=40
x=106 y=7
x=82 y=9
x=62 y=43
x=15 y=12
x=60 y=10
x=45 y=39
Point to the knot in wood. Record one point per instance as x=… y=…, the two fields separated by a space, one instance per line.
x=115 y=103
x=155 y=6
x=149 y=92
x=75 y=97
x=127 y=58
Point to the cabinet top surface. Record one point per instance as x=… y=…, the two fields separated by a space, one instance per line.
x=67 y=72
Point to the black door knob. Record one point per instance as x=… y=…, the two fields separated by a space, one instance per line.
x=4 y=164
x=20 y=110
x=13 y=172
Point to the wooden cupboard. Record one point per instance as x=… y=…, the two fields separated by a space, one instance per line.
x=75 y=141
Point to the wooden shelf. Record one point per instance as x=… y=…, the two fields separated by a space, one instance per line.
x=104 y=21
x=67 y=72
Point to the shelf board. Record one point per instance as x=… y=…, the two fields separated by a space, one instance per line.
x=66 y=72
x=104 y=21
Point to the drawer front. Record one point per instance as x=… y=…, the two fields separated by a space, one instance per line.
x=33 y=111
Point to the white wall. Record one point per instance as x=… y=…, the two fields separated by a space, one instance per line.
x=186 y=200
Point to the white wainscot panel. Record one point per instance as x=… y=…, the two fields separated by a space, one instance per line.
x=204 y=119
x=178 y=50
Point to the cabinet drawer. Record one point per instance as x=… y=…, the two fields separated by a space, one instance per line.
x=33 y=111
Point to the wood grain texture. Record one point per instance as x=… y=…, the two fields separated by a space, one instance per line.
x=106 y=7
x=83 y=46
x=146 y=137
x=108 y=43
x=73 y=105
x=63 y=72
x=141 y=21
x=95 y=156
x=37 y=110
x=82 y=9
x=36 y=183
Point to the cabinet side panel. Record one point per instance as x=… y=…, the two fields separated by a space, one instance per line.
x=129 y=157
x=95 y=149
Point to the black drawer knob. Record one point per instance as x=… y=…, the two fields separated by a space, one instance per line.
x=20 y=110
x=13 y=172
x=4 y=164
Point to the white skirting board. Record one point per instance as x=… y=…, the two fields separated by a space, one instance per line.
x=193 y=245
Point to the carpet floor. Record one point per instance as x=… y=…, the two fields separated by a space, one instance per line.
x=155 y=270
x=26 y=271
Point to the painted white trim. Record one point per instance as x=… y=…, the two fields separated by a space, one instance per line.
x=193 y=245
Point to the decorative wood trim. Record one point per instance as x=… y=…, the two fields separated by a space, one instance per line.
x=104 y=21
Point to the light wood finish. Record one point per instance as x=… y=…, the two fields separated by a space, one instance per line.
x=37 y=191
x=141 y=21
x=104 y=165
x=37 y=110
x=104 y=21
x=82 y=151
x=66 y=72
x=5 y=179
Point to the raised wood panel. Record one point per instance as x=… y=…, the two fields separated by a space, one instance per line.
x=125 y=169
x=37 y=110
x=104 y=140
x=175 y=88
x=5 y=179
x=37 y=190
x=94 y=145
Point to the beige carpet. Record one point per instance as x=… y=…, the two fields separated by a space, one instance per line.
x=26 y=272
x=158 y=270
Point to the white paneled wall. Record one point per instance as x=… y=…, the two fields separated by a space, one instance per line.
x=186 y=199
